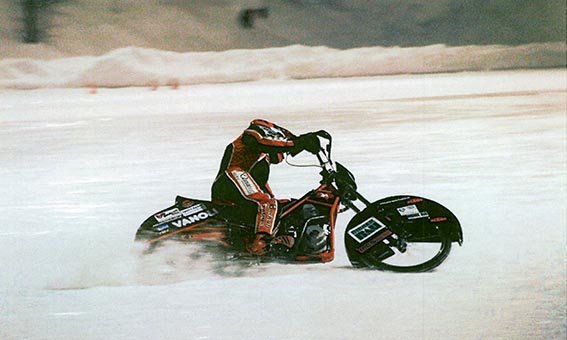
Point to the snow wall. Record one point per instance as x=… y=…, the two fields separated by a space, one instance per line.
x=134 y=66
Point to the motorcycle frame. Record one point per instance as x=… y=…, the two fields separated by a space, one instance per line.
x=325 y=195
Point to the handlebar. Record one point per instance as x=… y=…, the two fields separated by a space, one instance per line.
x=324 y=154
x=324 y=134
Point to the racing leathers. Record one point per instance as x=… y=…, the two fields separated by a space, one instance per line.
x=242 y=179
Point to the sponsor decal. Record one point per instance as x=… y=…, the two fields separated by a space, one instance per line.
x=193 y=210
x=271 y=210
x=272 y=132
x=412 y=212
x=161 y=227
x=408 y=210
x=188 y=220
x=262 y=214
x=366 y=229
x=414 y=200
x=438 y=219
x=168 y=215
x=267 y=215
x=421 y=214
x=244 y=182
x=325 y=195
x=379 y=238
x=186 y=203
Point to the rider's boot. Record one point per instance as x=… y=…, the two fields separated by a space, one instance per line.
x=282 y=245
x=259 y=245
x=286 y=241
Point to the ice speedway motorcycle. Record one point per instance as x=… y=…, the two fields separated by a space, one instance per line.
x=400 y=233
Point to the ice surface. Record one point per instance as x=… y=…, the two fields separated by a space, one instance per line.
x=80 y=171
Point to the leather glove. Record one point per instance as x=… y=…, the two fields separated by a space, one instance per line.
x=260 y=244
x=309 y=142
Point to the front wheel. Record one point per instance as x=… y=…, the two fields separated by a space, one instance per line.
x=401 y=234
x=408 y=254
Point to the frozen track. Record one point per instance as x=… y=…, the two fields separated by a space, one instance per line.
x=79 y=172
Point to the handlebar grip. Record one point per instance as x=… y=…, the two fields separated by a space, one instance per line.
x=323 y=134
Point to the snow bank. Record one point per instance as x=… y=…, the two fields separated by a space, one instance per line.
x=133 y=66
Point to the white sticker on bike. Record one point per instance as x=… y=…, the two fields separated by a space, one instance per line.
x=411 y=212
x=168 y=215
x=193 y=210
x=408 y=210
x=366 y=229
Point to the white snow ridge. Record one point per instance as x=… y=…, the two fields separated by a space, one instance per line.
x=134 y=66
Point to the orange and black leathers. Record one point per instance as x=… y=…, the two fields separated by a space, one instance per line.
x=242 y=179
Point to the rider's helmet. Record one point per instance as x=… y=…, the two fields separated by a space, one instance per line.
x=270 y=130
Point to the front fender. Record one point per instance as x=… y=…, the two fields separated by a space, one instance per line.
x=408 y=207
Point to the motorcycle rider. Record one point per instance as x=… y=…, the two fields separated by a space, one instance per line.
x=242 y=180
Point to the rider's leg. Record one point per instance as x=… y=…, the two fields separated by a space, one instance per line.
x=266 y=204
x=238 y=186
